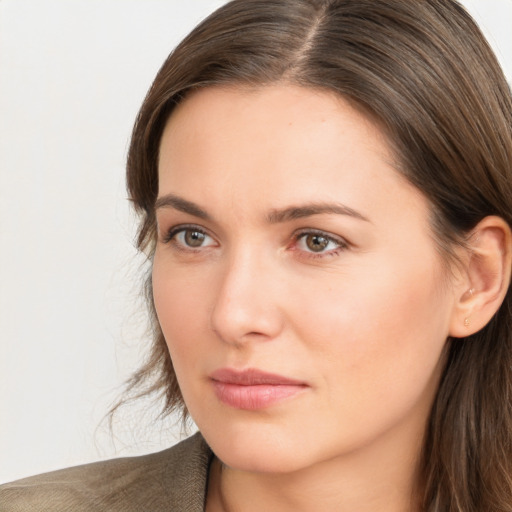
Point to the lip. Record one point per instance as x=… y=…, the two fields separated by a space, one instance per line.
x=253 y=389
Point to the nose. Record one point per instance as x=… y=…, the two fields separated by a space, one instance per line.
x=247 y=303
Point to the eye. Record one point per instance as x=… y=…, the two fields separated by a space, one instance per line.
x=189 y=238
x=319 y=243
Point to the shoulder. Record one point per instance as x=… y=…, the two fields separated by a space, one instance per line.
x=171 y=480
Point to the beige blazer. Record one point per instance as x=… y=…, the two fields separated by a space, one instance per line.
x=173 y=480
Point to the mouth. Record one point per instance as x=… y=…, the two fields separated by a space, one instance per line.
x=253 y=389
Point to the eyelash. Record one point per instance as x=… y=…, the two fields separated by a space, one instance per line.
x=340 y=242
x=172 y=232
x=170 y=238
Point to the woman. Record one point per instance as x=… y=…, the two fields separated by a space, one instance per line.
x=325 y=194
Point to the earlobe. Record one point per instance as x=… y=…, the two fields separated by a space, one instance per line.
x=487 y=269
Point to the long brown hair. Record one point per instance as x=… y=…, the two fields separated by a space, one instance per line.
x=424 y=70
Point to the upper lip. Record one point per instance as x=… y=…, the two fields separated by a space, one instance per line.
x=252 y=377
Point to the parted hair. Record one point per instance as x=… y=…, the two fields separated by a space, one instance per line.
x=423 y=69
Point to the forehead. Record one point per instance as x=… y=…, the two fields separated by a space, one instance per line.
x=273 y=104
x=276 y=145
x=280 y=118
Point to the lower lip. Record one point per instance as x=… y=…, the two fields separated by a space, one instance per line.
x=255 y=396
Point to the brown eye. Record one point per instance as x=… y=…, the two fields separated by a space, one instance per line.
x=189 y=238
x=319 y=243
x=194 y=238
x=316 y=243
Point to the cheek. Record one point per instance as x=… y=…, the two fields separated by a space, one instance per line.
x=376 y=335
x=179 y=305
x=180 y=309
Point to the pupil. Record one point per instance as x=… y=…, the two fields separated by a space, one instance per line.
x=194 y=238
x=316 y=243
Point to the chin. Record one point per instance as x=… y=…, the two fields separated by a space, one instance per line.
x=258 y=450
x=258 y=460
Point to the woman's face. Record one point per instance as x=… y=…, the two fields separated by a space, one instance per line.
x=296 y=280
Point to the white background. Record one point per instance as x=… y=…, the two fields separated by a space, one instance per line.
x=73 y=74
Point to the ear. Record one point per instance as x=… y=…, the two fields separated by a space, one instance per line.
x=486 y=277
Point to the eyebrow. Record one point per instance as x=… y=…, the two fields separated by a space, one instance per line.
x=275 y=216
x=182 y=205
x=307 y=210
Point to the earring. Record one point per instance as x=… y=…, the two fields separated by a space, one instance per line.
x=471 y=291
x=466 y=322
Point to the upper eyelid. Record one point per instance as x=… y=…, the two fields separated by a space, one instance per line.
x=171 y=232
x=183 y=227
x=330 y=236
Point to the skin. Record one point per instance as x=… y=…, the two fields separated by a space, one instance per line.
x=362 y=323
